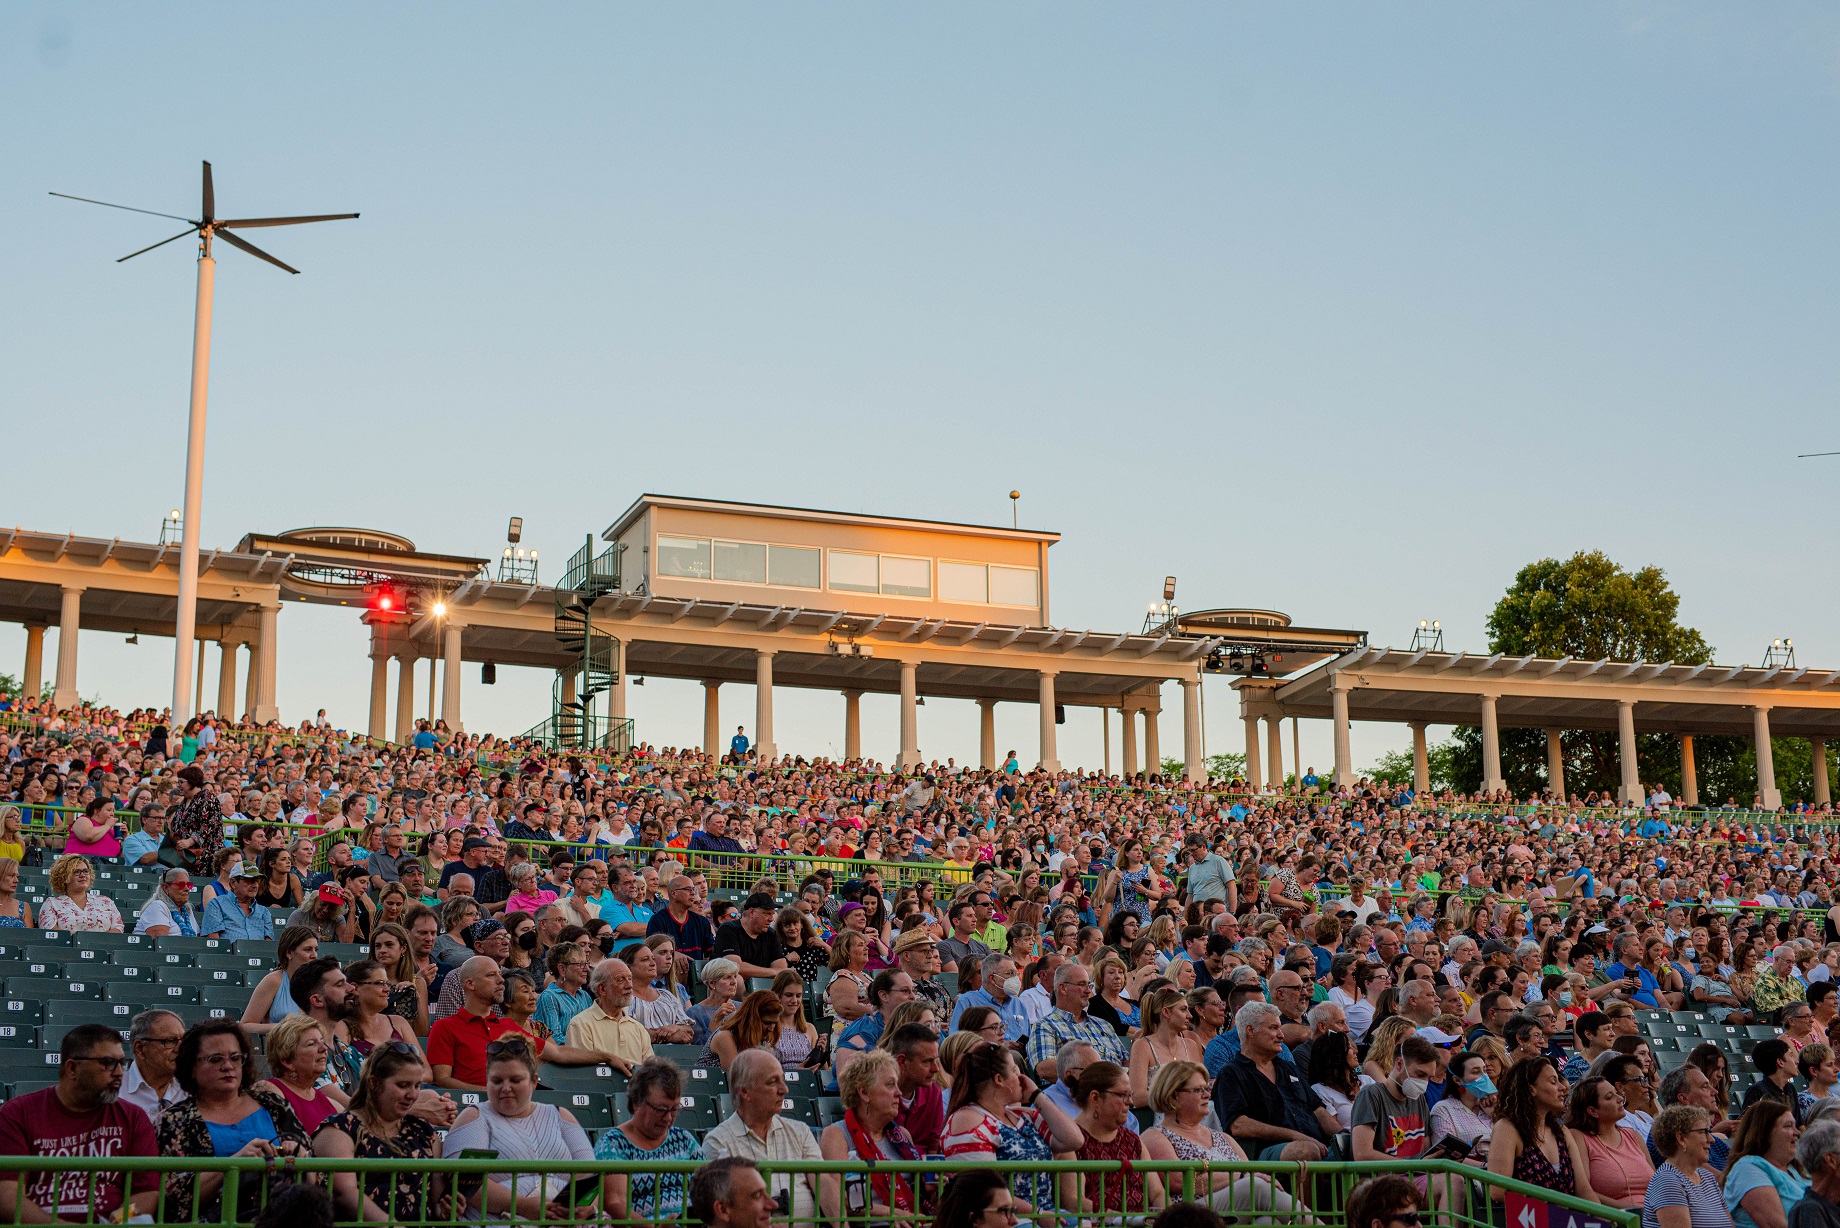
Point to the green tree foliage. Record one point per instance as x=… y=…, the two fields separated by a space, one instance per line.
x=1219 y=767
x=1589 y=607
x=1395 y=767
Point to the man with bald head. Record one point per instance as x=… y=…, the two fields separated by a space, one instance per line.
x=756 y=1131
x=605 y=1028
x=457 y=1044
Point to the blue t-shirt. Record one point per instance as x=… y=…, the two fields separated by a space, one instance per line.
x=136 y=846
x=738 y=744
x=228 y=1140
x=1754 y=1173
x=617 y=914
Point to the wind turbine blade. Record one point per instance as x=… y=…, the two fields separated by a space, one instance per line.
x=251 y=222
x=1806 y=455
x=130 y=208
x=210 y=195
x=253 y=250
x=161 y=243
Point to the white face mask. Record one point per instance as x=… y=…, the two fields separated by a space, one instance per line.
x=1012 y=987
x=1413 y=1088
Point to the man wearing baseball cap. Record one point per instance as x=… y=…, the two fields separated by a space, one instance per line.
x=750 y=940
x=233 y=914
x=325 y=914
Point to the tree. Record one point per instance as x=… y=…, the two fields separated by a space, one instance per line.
x=1219 y=767
x=1590 y=607
x=1395 y=767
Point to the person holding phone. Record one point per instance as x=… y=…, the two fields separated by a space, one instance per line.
x=509 y=1125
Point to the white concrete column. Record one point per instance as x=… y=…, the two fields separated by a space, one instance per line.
x=1823 y=789
x=1631 y=791
x=451 y=631
x=1255 y=778
x=616 y=695
x=1297 y=749
x=1689 y=773
x=1274 y=746
x=1153 y=745
x=712 y=719
x=380 y=688
x=1338 y=711
x=1555 y=764
x=1491 y=747
x=1421 y=761
x=262 y=666
x=1127 y=730
x=227 y=652
x=764 y=746
x=852 y=724
x=34 y=677
x=1192 y=766
x=910 y=717
x=1105 y=739
x=987 y=735
x=70 y=617
x=251 y=683
x=1050 y=755
x=405 y=696
x=1766 y=762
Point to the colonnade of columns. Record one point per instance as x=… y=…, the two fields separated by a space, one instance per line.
x=1630 y=787
x=259 y=699
x=909 y=755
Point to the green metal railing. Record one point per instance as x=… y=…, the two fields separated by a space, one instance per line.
x=416 y=1194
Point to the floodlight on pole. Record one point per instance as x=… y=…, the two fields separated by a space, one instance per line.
x=207 y=227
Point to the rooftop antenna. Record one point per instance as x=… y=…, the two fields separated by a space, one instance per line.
x=1015 y=497
x=207 y=226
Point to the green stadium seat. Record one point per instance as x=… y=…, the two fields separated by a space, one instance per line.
x=1664 y=1044
x=233 y=960
x=22 y=1011
x=229 y=978
x=830 y=1110
x=198 y=1012
x=603 y=1079
x=684 y=1055
x=594 y=1110
x=64 y=1015
x=51 y=988
x=18 y=1036
x=163 y=958
x=1762 y=1031
x=802 y=1109
x=41 y=967
x=51 y=937
x=25 y=1087
x=14 y=951
x=1719 y=1032
x=27 y=1064
x=704 y=1080
x=1670 y=1061
x=803 y=1084
x=60 y=954
x=182 y=943
x=113 y=942
x=117 y=972
x=1694 y=1017
x=759 y=984
x=947 y=981
x=154 y=994
x=344 y=952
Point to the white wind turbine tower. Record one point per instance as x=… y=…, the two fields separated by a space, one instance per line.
x=207 y=227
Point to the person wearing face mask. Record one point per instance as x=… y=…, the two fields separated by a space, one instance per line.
x=1467 y=1111
x=1391 y=1118
x=1001 y=992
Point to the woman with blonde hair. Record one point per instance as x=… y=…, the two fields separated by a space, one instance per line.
x=954 y=1047
x=1383 y=1047
x=15 y=913
x=296 y=1050
x=848 y=991
x=1181 y=1095
x=919 y=1010
x=74 y=904
x=1165 y=1039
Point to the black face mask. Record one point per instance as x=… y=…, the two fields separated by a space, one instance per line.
x=528 y=939
x=605 y=942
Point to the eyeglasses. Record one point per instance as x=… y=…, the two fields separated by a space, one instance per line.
x=107 y=1063
x=214 y=1059
x=1409 y=1218
x=499 y=1048
x=1007 y=1211
x=661 y=1110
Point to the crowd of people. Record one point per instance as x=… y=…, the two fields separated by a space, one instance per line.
x=995 y=965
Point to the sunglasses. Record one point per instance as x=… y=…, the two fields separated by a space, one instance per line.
x=499 y=1048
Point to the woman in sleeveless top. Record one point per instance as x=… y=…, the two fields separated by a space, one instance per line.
x=1181 y=1094
x=797 y=1037
x=1104 y=1097
x=1166 y=1021
x=15 y=913
x=1530 y=1142
x=296 y=1051
x=986 y=1120
x=509 y=1122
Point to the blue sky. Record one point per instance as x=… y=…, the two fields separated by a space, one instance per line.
x=1343 y=311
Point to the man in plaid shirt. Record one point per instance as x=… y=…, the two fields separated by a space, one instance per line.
x=1073 y=989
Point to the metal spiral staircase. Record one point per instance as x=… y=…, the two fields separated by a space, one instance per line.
x=574 y=724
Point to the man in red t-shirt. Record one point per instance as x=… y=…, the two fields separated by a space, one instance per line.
x=78 y=1117
x=457 y=1044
